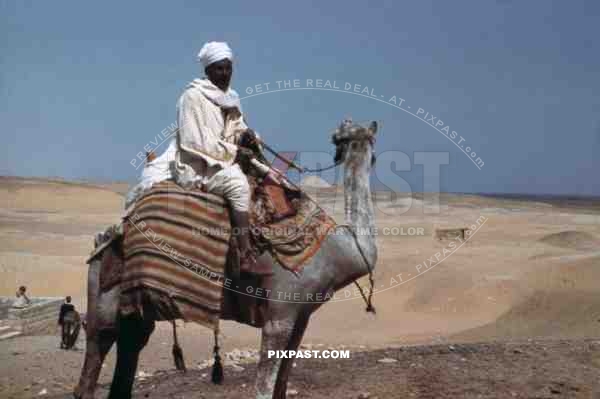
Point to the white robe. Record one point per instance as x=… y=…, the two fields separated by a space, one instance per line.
x=203 y=152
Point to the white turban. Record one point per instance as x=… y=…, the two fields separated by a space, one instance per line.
x=214 y=51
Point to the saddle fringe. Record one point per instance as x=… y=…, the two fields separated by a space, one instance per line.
x=177 y=352
x=217 y=370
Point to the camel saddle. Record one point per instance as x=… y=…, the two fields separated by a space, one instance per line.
x=175 y=248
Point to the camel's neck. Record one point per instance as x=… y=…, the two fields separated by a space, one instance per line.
x=358 y=204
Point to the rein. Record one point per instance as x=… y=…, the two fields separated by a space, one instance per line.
x=368 y=300
x=293 y=165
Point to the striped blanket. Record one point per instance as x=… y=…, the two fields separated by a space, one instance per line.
x=176 y=243
x=175 y=246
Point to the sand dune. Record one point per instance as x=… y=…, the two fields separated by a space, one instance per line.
x=52 y=196
x=560 y=301
x=572 y=239
x=45 y=233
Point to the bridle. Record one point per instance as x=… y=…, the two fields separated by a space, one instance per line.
x=337 y=161
x=341 y=148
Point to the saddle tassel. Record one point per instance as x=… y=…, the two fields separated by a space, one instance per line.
x=217 y=370
x=177 y=352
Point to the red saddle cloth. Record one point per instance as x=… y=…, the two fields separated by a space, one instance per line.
x=278 y=201
x=287 y=223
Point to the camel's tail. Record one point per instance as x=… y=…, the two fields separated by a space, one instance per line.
x=177 y=352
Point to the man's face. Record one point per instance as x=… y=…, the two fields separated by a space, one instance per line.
x=220 y=73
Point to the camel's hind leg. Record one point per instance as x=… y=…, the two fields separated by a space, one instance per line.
x=134 y=333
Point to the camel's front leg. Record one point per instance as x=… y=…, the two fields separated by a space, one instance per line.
x=102 y=310
x=276 y=335
x=281 y=385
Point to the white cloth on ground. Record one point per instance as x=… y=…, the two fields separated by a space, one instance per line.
x=20 y=302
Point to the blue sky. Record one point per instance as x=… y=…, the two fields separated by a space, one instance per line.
x=85 y=85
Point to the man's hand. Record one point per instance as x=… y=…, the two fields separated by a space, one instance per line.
x=231 y=112
x=248 y=139
x=250 y=135
x=247 y=152
x=244 y=155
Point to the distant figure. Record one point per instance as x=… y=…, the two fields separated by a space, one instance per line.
x=68 y=319
x=22 y=300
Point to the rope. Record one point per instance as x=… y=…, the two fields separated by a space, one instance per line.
x=291 y=164
x=368 y=300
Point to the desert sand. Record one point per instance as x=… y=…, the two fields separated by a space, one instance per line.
x=528 y=271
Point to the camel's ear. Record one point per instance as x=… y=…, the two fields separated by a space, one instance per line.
x=373 y=128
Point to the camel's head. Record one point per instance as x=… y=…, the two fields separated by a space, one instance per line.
x=353 y=140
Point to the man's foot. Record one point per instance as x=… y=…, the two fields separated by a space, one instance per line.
x=250 y=264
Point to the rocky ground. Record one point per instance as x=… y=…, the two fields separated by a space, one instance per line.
x=535 y=369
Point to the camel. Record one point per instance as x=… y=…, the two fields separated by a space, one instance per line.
x=343 y=258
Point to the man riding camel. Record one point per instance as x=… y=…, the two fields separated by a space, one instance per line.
x=203 y=154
